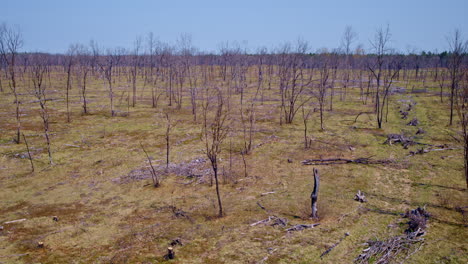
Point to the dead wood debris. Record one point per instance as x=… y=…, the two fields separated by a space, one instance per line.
x=344 y=161
x=398 y=138
x=413 y=122
x=427 y=150
x=393 y=248
x=272 y=221
x=301 y=227
x=420 y=131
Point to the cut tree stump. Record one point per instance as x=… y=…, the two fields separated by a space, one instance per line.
x=360 y=197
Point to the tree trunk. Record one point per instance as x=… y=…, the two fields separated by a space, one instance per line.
x=215 y=169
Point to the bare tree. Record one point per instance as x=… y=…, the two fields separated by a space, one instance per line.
x=458 y=49
x=38 y=70
x=347 y=40
x=136 y=61
x=169 y=126
x=107 y=64
x=84 y=66
x=70 y=60
x=383 y=70
x=323 y=86
x=293 y=80
x=215 y=131
x=11 y=41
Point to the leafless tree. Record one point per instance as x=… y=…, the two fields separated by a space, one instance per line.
x=323 y=86
x=11 y=42
x=305 y=118
x=462 y=109
x=347 y=40
x=84 y=66
x=458 y=49
x=70 y=60
x=107 y=64
x=216 y=129
x=383 y=70
x=38 y=71
x=169 y=126
x=136 y=61
x=293 y=80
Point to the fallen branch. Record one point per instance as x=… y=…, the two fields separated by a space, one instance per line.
x=334 y=245
x=14 y=221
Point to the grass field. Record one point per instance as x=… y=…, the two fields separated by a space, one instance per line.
x=109 y=212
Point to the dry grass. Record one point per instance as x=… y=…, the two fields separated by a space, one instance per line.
x=102 y=220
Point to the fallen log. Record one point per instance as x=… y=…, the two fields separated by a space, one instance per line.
x=333 y=161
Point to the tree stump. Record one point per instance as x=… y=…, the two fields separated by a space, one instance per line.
x=314 y=194
x=360 y=197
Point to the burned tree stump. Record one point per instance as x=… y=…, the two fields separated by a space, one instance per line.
x=314 y=194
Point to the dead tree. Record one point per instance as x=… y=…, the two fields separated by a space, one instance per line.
x=70 y=60
x=136 y=60
x=38 y=69
x=383 y=77
x=314 y=194
x=169 y=126
x=305 y=118
x=107 y=64
x=10 y=43
x=458 y=49
x=215 y=131
x=462 y=110
x=322 y=87
x=82 y=70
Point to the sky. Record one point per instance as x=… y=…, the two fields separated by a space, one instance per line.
x=52 y=25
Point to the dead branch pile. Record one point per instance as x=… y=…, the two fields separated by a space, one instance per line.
x=344 y=161
x=196 y=168
x=394 y=248
x=388 y=250
x=398 y=138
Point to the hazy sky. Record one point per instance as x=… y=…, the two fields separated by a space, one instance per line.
x=52 y=25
